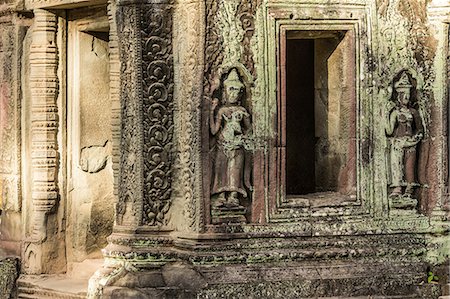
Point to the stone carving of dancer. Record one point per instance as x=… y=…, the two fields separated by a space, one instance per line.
x=405 y=129
x=231 y=125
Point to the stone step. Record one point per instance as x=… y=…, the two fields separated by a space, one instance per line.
x=36 y=293
x=84 y=269
x=27 y=296
x=51 y=287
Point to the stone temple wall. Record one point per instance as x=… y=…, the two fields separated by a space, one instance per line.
x=227 y=148
x=14 y=27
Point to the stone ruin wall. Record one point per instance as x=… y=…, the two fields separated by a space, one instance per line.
x=197 y=43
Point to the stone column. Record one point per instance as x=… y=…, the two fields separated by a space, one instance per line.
x=144 y=35
x=41 y=247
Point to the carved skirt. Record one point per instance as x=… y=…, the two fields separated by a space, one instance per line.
x=402 y=164
x=228 y=171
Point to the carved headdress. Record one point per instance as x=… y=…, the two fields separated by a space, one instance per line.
x=233 y=80
x=403 y=82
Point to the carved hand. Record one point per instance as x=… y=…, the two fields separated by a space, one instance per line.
x=390 y=105
x=214 y=104
x=394 y=114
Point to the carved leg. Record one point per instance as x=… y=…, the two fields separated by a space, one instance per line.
x=396 y=192
x=409 y=190
x=397 y=168
x=410 y=166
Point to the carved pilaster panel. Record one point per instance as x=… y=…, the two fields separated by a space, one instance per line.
x=145 y=42
x=188 y=72
x=157 y=109
x=44 y=119
x=131 y=144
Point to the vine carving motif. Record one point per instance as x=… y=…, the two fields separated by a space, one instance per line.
x=157 y=109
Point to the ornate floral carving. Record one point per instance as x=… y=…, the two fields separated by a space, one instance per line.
x=232 y=31
x=145 y=41
x=157 y=107
x=246 y=13
x=214 y=49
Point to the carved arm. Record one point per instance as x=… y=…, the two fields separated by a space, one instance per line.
x=392 y=120
x=214 y=120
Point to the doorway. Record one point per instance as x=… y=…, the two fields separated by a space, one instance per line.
x=318 y=84
x=90 y=209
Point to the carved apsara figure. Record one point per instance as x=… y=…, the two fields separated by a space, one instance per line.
x=405 y=129
x=231 y=125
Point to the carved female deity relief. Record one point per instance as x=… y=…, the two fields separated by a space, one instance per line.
x=405 y=130
x=230 y=126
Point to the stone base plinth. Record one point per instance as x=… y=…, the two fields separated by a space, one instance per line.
x=228 y=215
x=406 y=203
x=239 y=265
x=298 y=280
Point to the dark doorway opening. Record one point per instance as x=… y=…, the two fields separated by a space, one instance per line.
x=319 y=99
x=300 y=139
